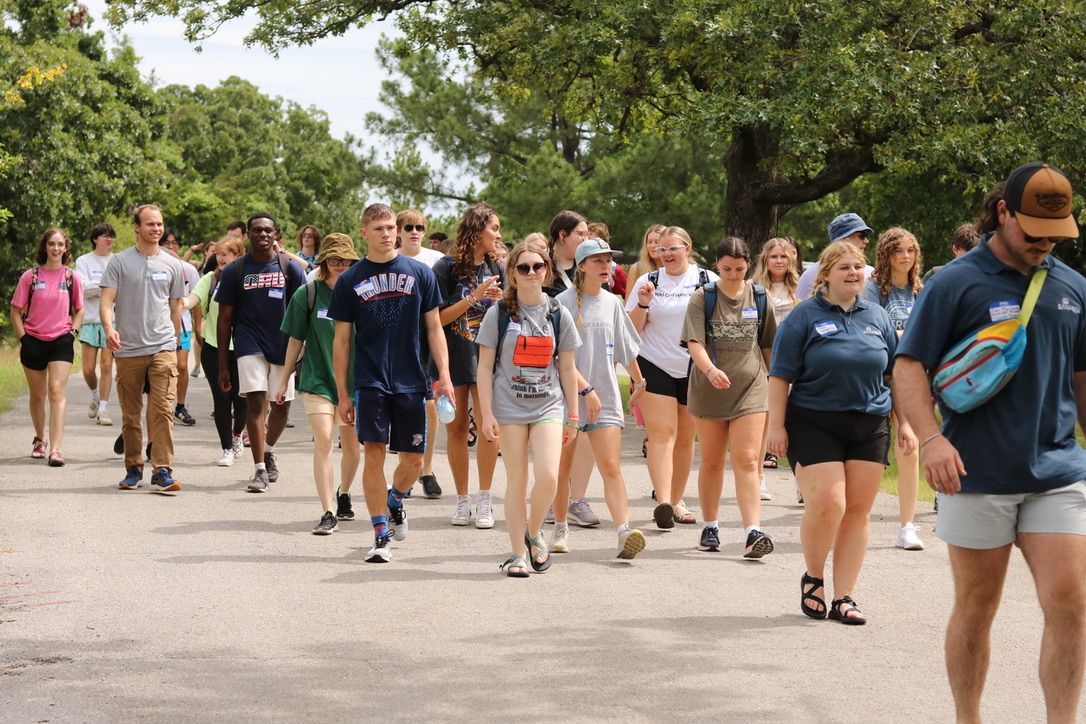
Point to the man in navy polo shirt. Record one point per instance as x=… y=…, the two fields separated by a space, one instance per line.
x=1010 y=471
x=388 y=298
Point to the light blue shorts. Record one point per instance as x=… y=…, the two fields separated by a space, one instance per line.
x=93 y=334
x=186 y=340
x=981 y=521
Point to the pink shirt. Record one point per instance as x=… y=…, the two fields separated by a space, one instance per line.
x=48 y=317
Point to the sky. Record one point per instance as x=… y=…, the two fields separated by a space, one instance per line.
x=340 y=76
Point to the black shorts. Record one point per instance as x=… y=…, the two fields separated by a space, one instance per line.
x=398 y=421
x=659 y=382
x=828 y=437
x=36 y=354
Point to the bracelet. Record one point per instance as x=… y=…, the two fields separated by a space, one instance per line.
x=642 y=306
x=573 y=427
x=929 y=438
x=709 y=369
x=641 y=383
x=574 y=416
x=586 y=391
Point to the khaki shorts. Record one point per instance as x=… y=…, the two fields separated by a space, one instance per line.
x=317 y=405
x=255 y=374
x=977 y=520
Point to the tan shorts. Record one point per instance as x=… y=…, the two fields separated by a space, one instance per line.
x=317 y=405
x=978 y=520
x=255 y=374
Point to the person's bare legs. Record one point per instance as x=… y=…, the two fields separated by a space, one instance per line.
x=584 y=462
x=515 y=458
x=682 y=453
x=38 y=383
x=978 y=585
x=182 y=376
x=90 y=366
x=823 y=486
x=908 y=480
x=350 y=455
x=1058 y=564
x=745 y=440
x=431 y=438
x=321 y=425
x=58 y=373
x=456 y=441
x=850 y=546
x=277 y=422
x=545 y=439
x=661 y=420
x=606 y=445
x=105 y=375
x=256 y=423
x=713 y=435
x=486 y=451
x=574 y=474
x=407 y=470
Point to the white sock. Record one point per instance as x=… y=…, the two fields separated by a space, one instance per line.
x=712 y=524
x=622 y=528
x=260 y=466
x=484 y=494
x=749 y=528
x=94 y=396
x=562 y=524
x=269 y=448
x=463 y=499
x=102 y=405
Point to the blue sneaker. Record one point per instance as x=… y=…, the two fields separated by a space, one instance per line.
x=163 y=482
x=710 y=539
x=132 y=478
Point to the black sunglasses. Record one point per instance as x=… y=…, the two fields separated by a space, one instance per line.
x=414 y=227
x=527 y=269
x=1039 y=239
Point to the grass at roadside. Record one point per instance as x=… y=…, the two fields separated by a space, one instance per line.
x=12 y=381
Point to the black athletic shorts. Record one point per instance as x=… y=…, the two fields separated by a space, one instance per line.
x=826 y=437
x=659 y=382
x=36 y=354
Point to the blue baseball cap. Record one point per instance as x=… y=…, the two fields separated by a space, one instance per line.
x=847 y=224
x=593 y=246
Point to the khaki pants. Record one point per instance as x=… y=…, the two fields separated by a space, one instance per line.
x=160 y=371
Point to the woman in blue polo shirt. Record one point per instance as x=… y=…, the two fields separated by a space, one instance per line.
x=836 y=351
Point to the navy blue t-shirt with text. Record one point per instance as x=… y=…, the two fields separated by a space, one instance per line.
x=384 y=302
x=259 y=312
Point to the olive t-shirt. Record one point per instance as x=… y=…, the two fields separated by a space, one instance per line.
x=735 y=348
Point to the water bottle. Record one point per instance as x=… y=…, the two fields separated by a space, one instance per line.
x=446 y=411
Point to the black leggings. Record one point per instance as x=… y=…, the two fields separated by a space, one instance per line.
x=209 y=359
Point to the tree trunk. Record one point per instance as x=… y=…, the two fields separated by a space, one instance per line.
x=749 y=162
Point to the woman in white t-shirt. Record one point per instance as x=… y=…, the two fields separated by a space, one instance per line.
x=657 y=305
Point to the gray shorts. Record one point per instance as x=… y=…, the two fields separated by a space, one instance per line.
x=981 y=521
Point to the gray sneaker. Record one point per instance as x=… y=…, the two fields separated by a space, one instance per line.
x=327 y=524
x=581 y=514
x=269 y=463
x=560 y=540
x=259 y=482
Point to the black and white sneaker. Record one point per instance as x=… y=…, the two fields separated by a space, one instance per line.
x=758 y=545
x=259 y=482
x=397 y=522
x=430 y=487
x=381 y=551
x=327 y=524
x=269 y=463
x=182 y=413
x=344 y=511
x=710 y=540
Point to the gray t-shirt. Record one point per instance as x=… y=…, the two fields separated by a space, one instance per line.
x=526 y=386
x=898 y=302
x=145 y=285
x=607 y=336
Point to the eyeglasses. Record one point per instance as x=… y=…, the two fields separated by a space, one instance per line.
x=526 y=269
x=414 y=227
x=339 y=262
x=669 y=249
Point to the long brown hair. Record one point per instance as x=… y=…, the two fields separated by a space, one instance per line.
x=761 y=267
x=468 y=230
x=510 y=296
x=42 y=256
x=889 y=242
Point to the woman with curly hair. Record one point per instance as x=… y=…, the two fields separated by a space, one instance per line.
x=470 y=280
x=894 y=285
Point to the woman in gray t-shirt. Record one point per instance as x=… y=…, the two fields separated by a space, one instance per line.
x=527 y=383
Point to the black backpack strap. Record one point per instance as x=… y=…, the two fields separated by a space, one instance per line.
x=709 y=289
x=555 y=315
x=703 y=277
x=760 y=303
x=654 y=277
x=30 y=292
x=503 y=327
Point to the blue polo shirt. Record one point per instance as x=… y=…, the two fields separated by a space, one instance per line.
x=835 y=359
x=1023 y=439
x=384 y=302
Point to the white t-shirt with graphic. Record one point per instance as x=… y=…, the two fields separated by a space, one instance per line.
x=666 y=314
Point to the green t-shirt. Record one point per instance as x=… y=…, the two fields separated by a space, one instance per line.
x=211 y=311
x=318 y=332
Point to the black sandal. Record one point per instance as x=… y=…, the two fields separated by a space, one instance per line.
x=807 y=594
x=836 y=614
x=770 y=461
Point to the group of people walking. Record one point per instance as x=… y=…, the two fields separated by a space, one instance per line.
x=519 y=351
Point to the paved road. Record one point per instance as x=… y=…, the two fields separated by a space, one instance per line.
x=220 y=605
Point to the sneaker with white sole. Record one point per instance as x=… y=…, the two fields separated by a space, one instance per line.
x=484 y=512
x=327 y=524
x=631 y=541
x=763 y=490
x=227 y=459
x=397 y=523
x=104 y=419
x=758 y=545
x=560 y=539
x=237 y=447
x=92 y=409
x=581 y=513
x=462 y=515
x=381 y=551
x=259 y=482
x=909 y=538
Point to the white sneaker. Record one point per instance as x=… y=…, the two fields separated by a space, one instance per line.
x=560 y=539
x=237 y=447
x=227 y=459
x=909 y=538
x=92 y=409
x=484 y=512
x=381 y=551
x=463 y=511
x=104 y=419
x=763 y=490
x=631 y=541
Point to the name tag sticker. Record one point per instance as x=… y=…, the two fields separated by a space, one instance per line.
x=750 y=313
x=39 y=286
x=96 y=273
x=159 y=276
x=513 y=327
x=274 y=293
x=322 y=314
x=826 y=328
x=1002 y=311
x=610 y=350
x=359 y=290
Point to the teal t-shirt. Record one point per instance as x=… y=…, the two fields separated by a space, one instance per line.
x=318 y=331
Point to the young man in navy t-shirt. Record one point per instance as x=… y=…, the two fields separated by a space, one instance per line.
x=384 y=296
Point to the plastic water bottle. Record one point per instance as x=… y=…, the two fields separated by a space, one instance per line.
x=446 y=411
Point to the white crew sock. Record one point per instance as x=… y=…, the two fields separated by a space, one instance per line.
x=749 y=528
x=102 y=405
x=712 y=524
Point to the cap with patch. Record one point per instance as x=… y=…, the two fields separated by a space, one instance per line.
x=1040 y=197
x=593 y=246
x=846 y=225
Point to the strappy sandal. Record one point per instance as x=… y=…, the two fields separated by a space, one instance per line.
x=807 y=594
x=840 y=614
x=473 y=432
x=38 y=451
x=56 y=460
x=541 y=547
x=515 y=566
x=770 y=462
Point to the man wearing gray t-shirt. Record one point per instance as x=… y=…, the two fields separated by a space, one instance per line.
x=148 y=286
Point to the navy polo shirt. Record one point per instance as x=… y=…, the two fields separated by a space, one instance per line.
x=835 y=359
x=1023 y=439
